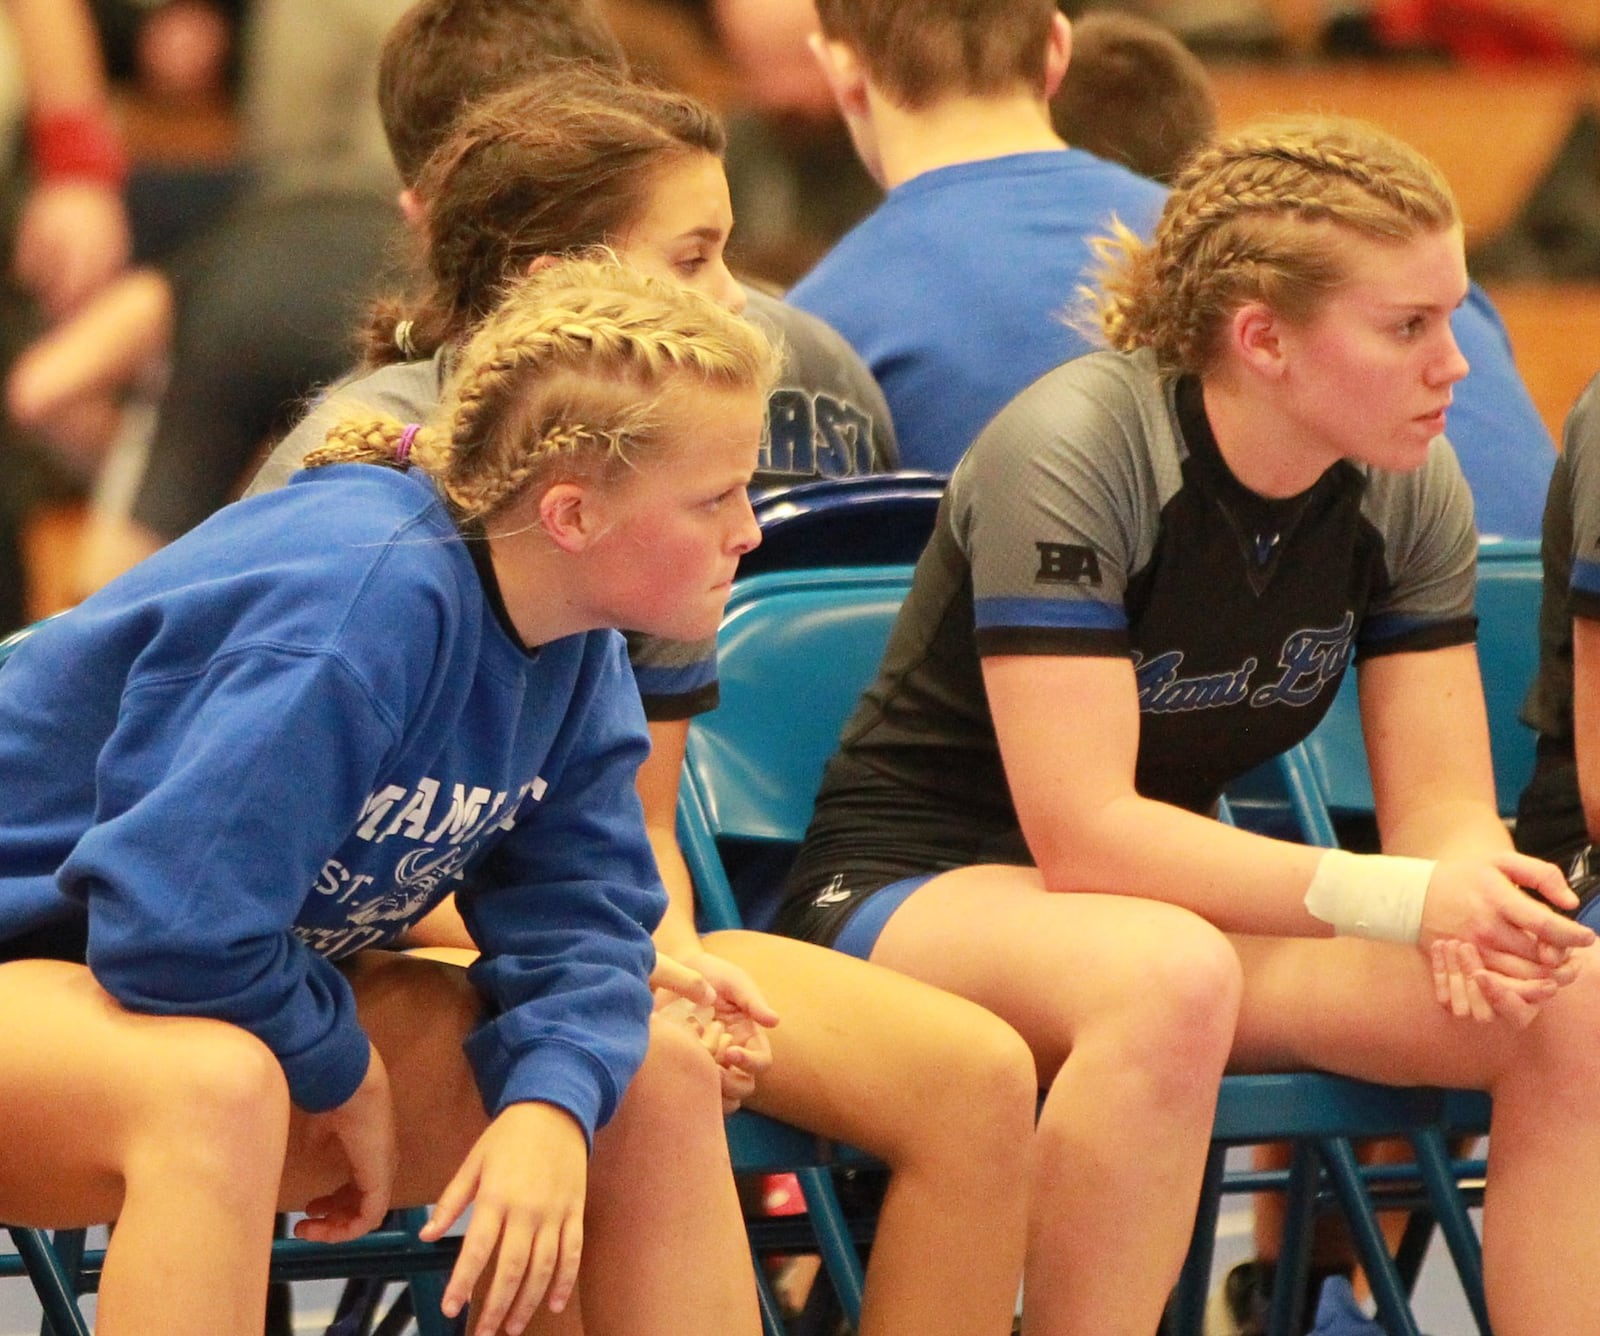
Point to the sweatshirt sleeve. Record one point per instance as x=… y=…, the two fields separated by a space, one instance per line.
x=218 y=798
x=563 y=912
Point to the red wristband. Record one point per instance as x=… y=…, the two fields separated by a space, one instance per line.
x=82 y=144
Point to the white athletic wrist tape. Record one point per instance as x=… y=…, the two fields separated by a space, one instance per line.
x=1370 y=895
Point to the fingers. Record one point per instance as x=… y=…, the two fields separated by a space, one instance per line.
x=1535 y=874
x=680 y=979
x=1560 y=967
x=458 y=1192
x=334 y=1218
x=531 y=1264
x=1516 y=1001
x=1465 y=987
x=738 y=994
x=1542 y=925
x=521 y=1261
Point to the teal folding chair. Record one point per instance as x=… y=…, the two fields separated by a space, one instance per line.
x=795 y=650
x=61 y=1267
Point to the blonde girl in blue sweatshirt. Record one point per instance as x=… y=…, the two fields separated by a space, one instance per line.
x=236 y=774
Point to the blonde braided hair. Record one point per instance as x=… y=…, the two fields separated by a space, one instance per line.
x=1260 y=215
x=566 y=378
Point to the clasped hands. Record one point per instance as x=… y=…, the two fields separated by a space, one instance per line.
x=1497 y=951
x=721 y=1004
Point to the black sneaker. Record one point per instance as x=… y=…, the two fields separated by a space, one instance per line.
x=1240 y=1305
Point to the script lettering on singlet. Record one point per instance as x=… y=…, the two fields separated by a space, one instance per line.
x=815 y=435
x=1162 y=691
x=1310 y=659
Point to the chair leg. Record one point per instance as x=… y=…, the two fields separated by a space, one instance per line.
x=1394 y=1308
x=1438 y=1179
x=427 y=1287
x=771 y=1313
x=1293 y=1272
x=50 y=1282
x=1186 y=1313
x=839 y=1255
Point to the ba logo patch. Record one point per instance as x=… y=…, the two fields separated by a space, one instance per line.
x=1067 y=563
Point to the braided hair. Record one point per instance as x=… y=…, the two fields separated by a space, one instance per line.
x=566 y=378
x=1261 y=215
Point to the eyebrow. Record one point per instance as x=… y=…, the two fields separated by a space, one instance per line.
x=702 y=233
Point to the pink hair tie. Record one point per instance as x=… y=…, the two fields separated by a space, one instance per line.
x=402 y=451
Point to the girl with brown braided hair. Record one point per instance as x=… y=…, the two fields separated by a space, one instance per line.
x=939 y=1089
x=271 y=748
x=1150 y=574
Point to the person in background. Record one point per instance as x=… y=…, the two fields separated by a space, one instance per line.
x=66 y=225
x=1134 y=94
x=1558 y=814
x=953 y=290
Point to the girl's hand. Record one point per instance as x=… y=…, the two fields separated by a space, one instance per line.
x=1503 y=955
x=1484 y=903
x=364 y=1131
x=1466 y=987
x=674 y=977
x=734 y=1028
x=525 y=1179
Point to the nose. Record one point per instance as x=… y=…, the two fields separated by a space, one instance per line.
x=746 y=532
x=1452 y=365
x=730 y=292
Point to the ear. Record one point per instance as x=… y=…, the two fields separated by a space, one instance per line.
x=1256 y=339
x=842 y=70
x=540 y=262
x=410 y=209
x=567 y=513
x=1058 y=54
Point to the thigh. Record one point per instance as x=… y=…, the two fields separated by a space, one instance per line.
x=1360 y=1008
x=857 y=1046
x=83 y=1081
x=1054 y=964
x=417 y=1013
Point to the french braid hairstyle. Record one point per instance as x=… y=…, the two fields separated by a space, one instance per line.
x=567 y=378
x=565 y=162
x=1261 y=215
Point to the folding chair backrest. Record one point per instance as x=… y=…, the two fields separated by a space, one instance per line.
x=1510 y=586
x=1510 y=581
x=877 y=519
x=795 y=651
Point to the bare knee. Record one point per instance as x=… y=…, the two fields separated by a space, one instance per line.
x=677 y=1074
x=1557 y=1051
x=976 y=1101
x=1180 y=1015
x=218 y=1110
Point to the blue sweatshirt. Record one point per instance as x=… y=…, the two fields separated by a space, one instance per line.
x=290 y=734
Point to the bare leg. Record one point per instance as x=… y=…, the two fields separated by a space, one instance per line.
x=1128 y=1007
x=1367 y=1010
x=664 y=1245
x=941 y=1090
x=173 y=1126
